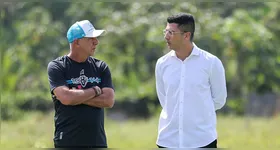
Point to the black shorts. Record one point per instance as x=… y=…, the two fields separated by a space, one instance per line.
x=75 y=147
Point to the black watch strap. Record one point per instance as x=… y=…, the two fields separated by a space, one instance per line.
x=97 y=93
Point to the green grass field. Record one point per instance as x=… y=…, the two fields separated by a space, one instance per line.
x=35 y=130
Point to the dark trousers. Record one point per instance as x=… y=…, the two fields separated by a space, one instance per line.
x=75 y=147
x=211 y=145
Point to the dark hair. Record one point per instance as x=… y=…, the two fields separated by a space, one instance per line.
x=185 y=22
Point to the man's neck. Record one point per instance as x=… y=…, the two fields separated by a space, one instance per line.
x=77 y=57
x=184 y=52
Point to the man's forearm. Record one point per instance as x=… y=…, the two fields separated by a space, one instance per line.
x=77 y=96
x=101 y=101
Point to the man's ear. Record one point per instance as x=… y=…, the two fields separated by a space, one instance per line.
x=188 y=35
x=76 y=42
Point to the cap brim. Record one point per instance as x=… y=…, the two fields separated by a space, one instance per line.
x=96 y=33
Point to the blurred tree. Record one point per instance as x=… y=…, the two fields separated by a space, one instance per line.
x=34 y=33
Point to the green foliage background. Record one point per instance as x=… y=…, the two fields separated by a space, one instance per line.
x=243 y=35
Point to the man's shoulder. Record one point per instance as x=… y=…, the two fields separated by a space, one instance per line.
x=59 y=59
x=93 y=59
x=58 y=62
x=206 y=54
x=165 y=57
x=97 y=62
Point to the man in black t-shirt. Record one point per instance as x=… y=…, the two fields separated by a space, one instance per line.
x=81 y=87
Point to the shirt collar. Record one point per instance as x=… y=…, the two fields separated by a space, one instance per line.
x=194 y=52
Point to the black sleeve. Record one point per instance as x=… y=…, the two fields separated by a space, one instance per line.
x=55 y=75
x=106 y=79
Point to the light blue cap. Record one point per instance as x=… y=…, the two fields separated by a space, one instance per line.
x=82 y=29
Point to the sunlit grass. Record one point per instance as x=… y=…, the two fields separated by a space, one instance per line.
x=36 y=130
x=249 y=133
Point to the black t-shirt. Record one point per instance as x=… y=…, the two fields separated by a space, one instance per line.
x=79 y=125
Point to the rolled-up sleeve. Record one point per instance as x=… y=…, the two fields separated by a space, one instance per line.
x=218 y=83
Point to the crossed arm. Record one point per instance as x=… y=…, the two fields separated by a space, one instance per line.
x=106 y=99
x=85 y=96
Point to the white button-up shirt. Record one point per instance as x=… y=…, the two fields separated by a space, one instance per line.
x=189 y=92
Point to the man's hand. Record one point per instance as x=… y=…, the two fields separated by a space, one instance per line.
x=105 y=100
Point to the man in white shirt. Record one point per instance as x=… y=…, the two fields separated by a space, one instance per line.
x=191 y=86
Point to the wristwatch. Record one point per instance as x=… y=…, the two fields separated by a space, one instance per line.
x=97 y=92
